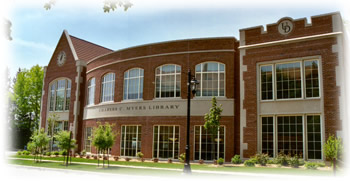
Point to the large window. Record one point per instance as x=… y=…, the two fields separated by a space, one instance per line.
x=266 y=82
x=311 y=78
x=168 y=81
x=88 y=134
x=60 y=93
x=133 y=84
x=267 y=135
x=107 y=91
x=211 y=77
x=130 y=140
x=91 y=92
x=209 y=146
x=166 y=142
x=290 y=135
x=314 y=143
x=290 y=81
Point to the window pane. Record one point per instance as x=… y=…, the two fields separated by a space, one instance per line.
x=168 y=142
x=108 y=84
x=288 y=80
x=266 y=82
x=209 y=146
x=311 y=78
x=91 y=91
x=267 y=135
x=290 y=140
x=168 y=81
x=211 y=79
x=130 y=140
x=314 y=137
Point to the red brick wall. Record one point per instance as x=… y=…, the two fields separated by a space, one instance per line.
x=318 y=47
x=68 y=70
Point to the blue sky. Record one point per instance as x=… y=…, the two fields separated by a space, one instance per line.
x=35 y=31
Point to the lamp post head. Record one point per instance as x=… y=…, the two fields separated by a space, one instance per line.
x=194 y=84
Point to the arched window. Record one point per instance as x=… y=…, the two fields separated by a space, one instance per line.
x=91 y=91
x=60 y=95
x=133 y=84
x=211 y=77
x=168 y=81
x=107 y=91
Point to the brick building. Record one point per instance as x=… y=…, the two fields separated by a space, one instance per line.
x=281 y=89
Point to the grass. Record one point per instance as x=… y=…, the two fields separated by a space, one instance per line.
x=204 y=167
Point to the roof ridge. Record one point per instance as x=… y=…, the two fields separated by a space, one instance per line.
x=90 y=42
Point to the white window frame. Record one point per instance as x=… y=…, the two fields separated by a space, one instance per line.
x=140 y=78
x=137 y=139
x=200 y=81
x=91 y=91
x=109 y=89
x=55 y=82
x=174 y=129
x=160 y=81
x=319 y=78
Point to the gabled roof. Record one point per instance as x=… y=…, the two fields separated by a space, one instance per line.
x=84 y=50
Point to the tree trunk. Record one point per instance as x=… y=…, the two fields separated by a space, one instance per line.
x=103 y=158
x=334 y=166
x=98 y=158
x=108 y=157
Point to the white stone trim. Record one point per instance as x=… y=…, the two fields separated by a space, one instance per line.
x=78 y=81
x=71 y=45
x=243 y=112
x=157 y=55
x=291 y=40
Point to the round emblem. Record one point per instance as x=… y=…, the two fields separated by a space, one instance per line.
x=285 y=27
x=61 y=58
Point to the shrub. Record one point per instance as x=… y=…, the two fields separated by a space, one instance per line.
x=321 y=164
x=63 y=152
x=19 y=152
x=116 y=158
x=139 y=154
x=249 y=163
x=220 y=161
x=215 y=162
x=25 y=152
x=282 y=159
x=294 y=161
x=311 y=165
x=182 y=157
x=88 y=156
x=236 y=159
x=56 y=153
x=201 y=161
x=48 y=153
x=83 y=153
x=155 y=160
x=261 y=158
x=170 y=160
x=127 y=159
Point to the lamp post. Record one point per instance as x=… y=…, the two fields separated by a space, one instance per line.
x=191 y=87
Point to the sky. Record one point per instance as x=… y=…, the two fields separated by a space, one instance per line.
x=36 y=31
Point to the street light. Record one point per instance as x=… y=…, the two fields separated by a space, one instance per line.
x=191 y=87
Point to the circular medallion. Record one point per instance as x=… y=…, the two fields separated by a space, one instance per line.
x=61 y=58
x=285 y=27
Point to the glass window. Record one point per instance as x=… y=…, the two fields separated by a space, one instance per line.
x=130 y=141
x=88 y=134
x=288 y=80
x=60 y=93
x=107 y=91
x=52 y=96
x=91 y=91
x=290 y=135
x=211 y=77
x=168 y=81
x=267 y=135
x=209 y=146
x=314 y=144
x=133 y=84
x=166 y=142
x=266 y=82
x=311 y=78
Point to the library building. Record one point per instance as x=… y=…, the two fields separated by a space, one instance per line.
x=281 y=87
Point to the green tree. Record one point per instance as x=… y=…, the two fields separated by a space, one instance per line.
x=212 y=119
x=26 y=98
x=333 y=150
x=65 y=142
x=103 y=138
x=109 y=5
x=52 y=122
x=39 y=141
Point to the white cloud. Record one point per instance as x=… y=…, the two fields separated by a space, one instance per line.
x=31 y=44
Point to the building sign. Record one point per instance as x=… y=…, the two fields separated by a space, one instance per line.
x=155 y=108
x=285 y=27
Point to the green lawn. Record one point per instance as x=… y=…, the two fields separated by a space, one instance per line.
x=120 y=169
